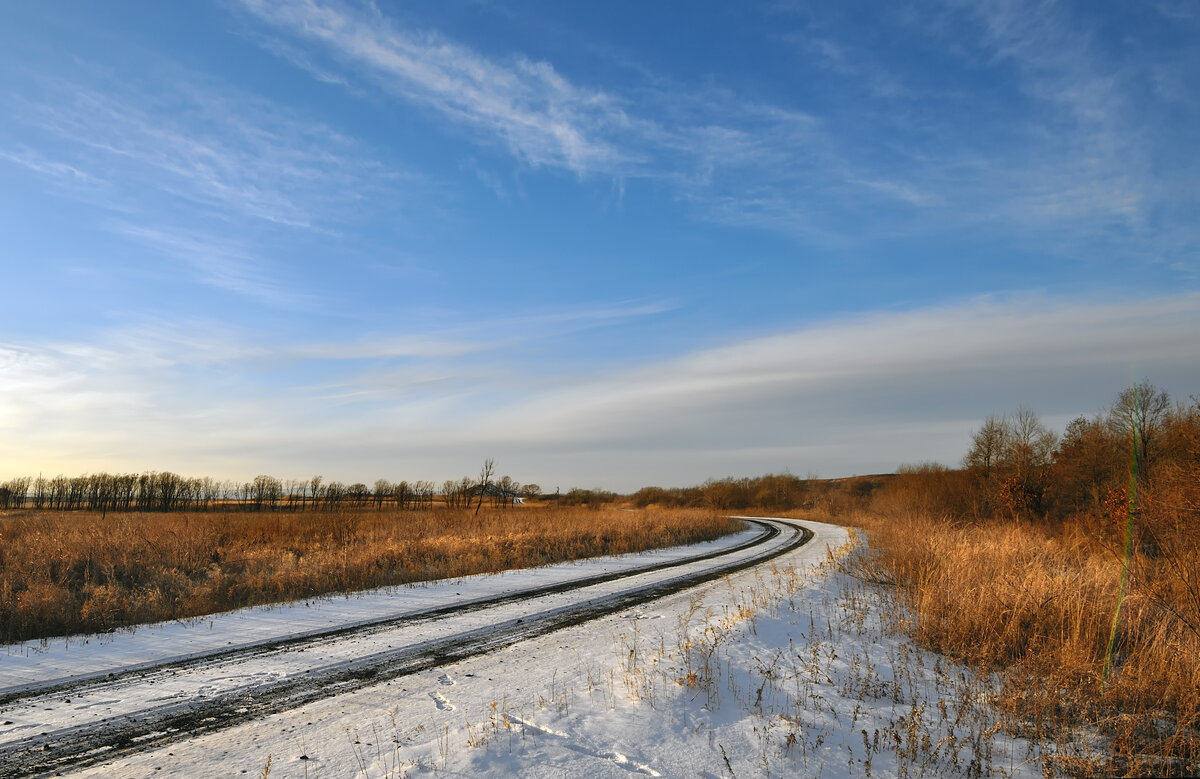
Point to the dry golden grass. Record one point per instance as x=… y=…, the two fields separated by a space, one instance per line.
x=81 y=572
x=1036 y=603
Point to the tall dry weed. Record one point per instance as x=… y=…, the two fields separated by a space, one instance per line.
x=1035 y=603
x=85 y=572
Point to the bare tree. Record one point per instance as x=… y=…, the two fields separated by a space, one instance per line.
x=1139 y=414
x=450 y=493
x=1030 y=442
x=334 y=492
x=314 y=484
x=988 y=445
x=168 y=491
x=1010 y=458
x=266 y=491
x=211 y=490
x=402 y=492
x=506 y=490
x=383 y=491
x=14 y=492
x=485 y=481
x=422 y=493
x=358 y=492
x=460 y=493
x=293 y=490
x=1087 y=461
x=40 y=491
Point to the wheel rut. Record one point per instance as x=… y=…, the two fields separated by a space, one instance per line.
x=179 y=716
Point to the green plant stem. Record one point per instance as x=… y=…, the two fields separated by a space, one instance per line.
x=1129 y=512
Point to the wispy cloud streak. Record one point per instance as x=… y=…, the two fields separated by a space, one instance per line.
x=537 y=113
x=894 y=357
x=874 y=390
x=234 y=155
x=223 y=264
x=737 y=161
x=1078 y=164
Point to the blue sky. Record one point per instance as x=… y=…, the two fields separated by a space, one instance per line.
x=606 y=244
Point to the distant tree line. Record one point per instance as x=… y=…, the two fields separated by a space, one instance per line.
x=166 y=491
x=1017 y=468
x=773 y=492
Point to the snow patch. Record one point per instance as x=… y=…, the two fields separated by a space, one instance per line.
x=616 y=758
x=793 y=668
x=441 y=702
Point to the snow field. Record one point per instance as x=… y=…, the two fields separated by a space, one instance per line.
x=789 y=669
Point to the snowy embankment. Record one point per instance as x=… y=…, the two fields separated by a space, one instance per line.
x=52 y=661
x=784 y=669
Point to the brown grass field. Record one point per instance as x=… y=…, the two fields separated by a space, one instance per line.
x=1029 y=597
x=1035 y=603
x=78 y=572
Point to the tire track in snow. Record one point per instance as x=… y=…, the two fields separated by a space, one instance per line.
x=183 y=716
x=299 y=640
x=616 y=758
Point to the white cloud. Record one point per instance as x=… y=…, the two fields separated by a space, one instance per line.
x=215 y=181
x=898 y=358
x=738 y=161
x=902 y=161
x=224 y=264
x=542 y=117
x=855 y=395
x=231 y=154
x=52 y=169
x=378 y=348
x=1090 y=148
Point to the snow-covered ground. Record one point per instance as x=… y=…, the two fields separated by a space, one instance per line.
x=54 y=660
x=787 y=669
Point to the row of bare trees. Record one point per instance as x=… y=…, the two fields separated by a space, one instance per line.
x=774 y=492
x=1021 y=469
x=166 y=491
x=1018 y=468
x=152 y=491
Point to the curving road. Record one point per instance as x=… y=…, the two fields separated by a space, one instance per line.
x=53 y=725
